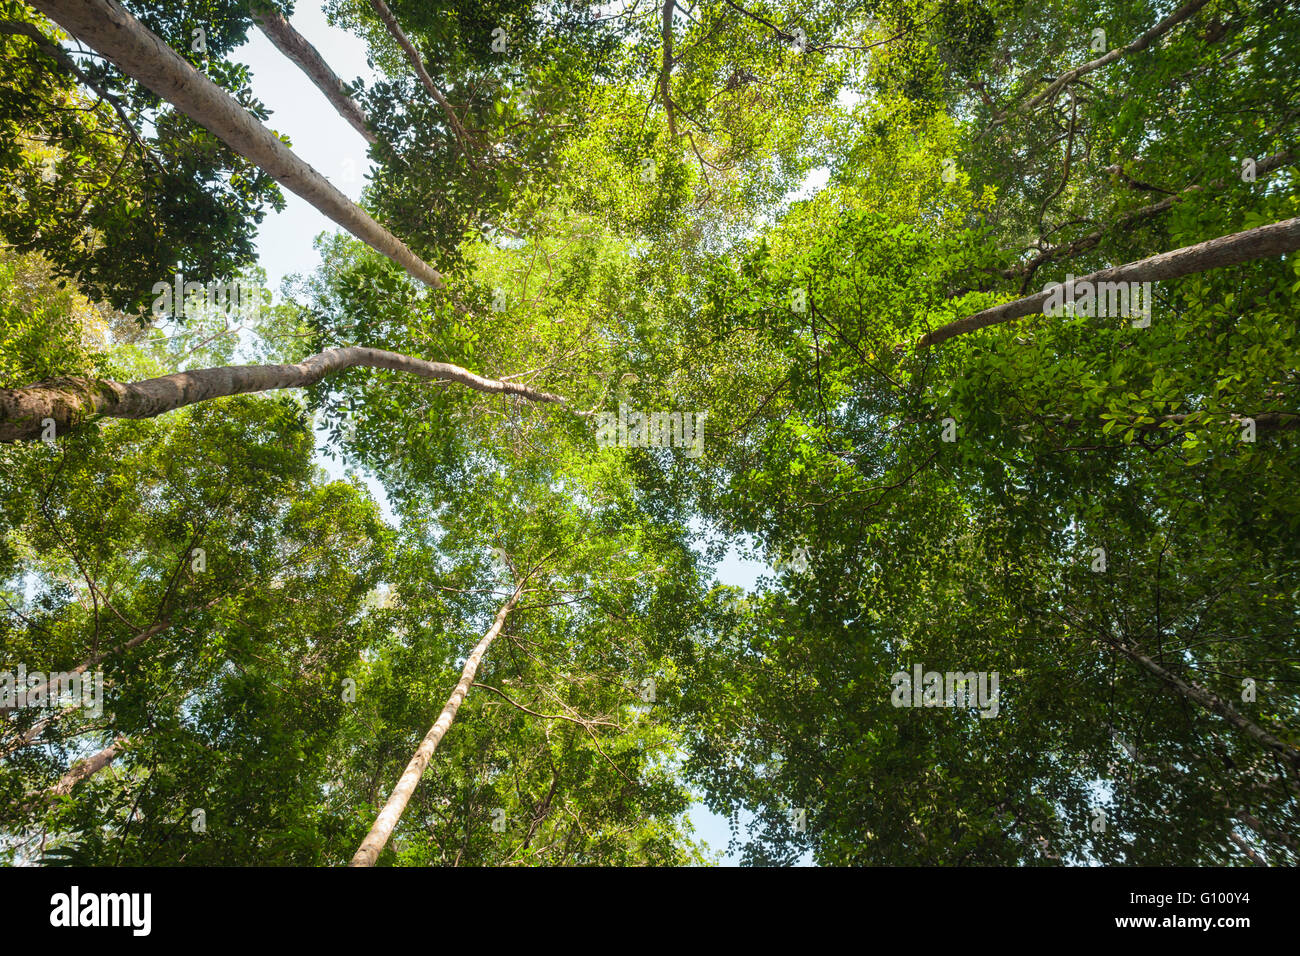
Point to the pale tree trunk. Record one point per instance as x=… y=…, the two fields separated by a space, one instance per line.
x=298 y=49
x=70 y=401
x=377 y=838
x=83 y=769
x=1212 y=702
x=106 y=27
x=79 y=772
x=1263 y=242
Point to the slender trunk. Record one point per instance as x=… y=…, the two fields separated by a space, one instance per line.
x=87 y=768
x=106 y=27
x=70 y=401
x=298 y=49
x=1259 y=243
x=1211 y=701
x=665 y=73
x=377 y=838
x=412 y=55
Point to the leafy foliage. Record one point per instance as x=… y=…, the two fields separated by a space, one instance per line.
x=748 y=210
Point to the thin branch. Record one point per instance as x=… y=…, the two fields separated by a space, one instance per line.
x=394 y=28
x=581 y=722
x=298 y=49
x=57 y=53
x=1141 y=43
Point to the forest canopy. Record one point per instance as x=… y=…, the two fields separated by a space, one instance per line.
x=972 y=324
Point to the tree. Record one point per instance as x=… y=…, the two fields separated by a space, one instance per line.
x=140 y=53
x=1029 y=573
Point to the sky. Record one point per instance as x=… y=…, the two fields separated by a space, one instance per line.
x=337 y=151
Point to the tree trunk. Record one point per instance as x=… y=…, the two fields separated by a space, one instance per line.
x=297 y=48
x=105 y=26
x=377 y=838
x=88 y=767
x=665 y=72
x=70 y=401
x=1211 y=701
x=1260 y=243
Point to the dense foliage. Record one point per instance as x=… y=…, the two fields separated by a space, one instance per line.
x=744 y=210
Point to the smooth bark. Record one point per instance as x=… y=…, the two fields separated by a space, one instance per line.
x=1212 y=702
x=308 y=59
x=105 y=26
x=71 y=401
x=412 y=55
x=1027 y=269
x=1262 y=242
x=83 y=769
x=382 y=829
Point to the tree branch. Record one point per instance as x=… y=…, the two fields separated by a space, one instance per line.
x=105 y=26
x=1260 y=243
x=1141 y=43
x=298 y=49
x=394 y=28
x=665 y=84
x=69 y=402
